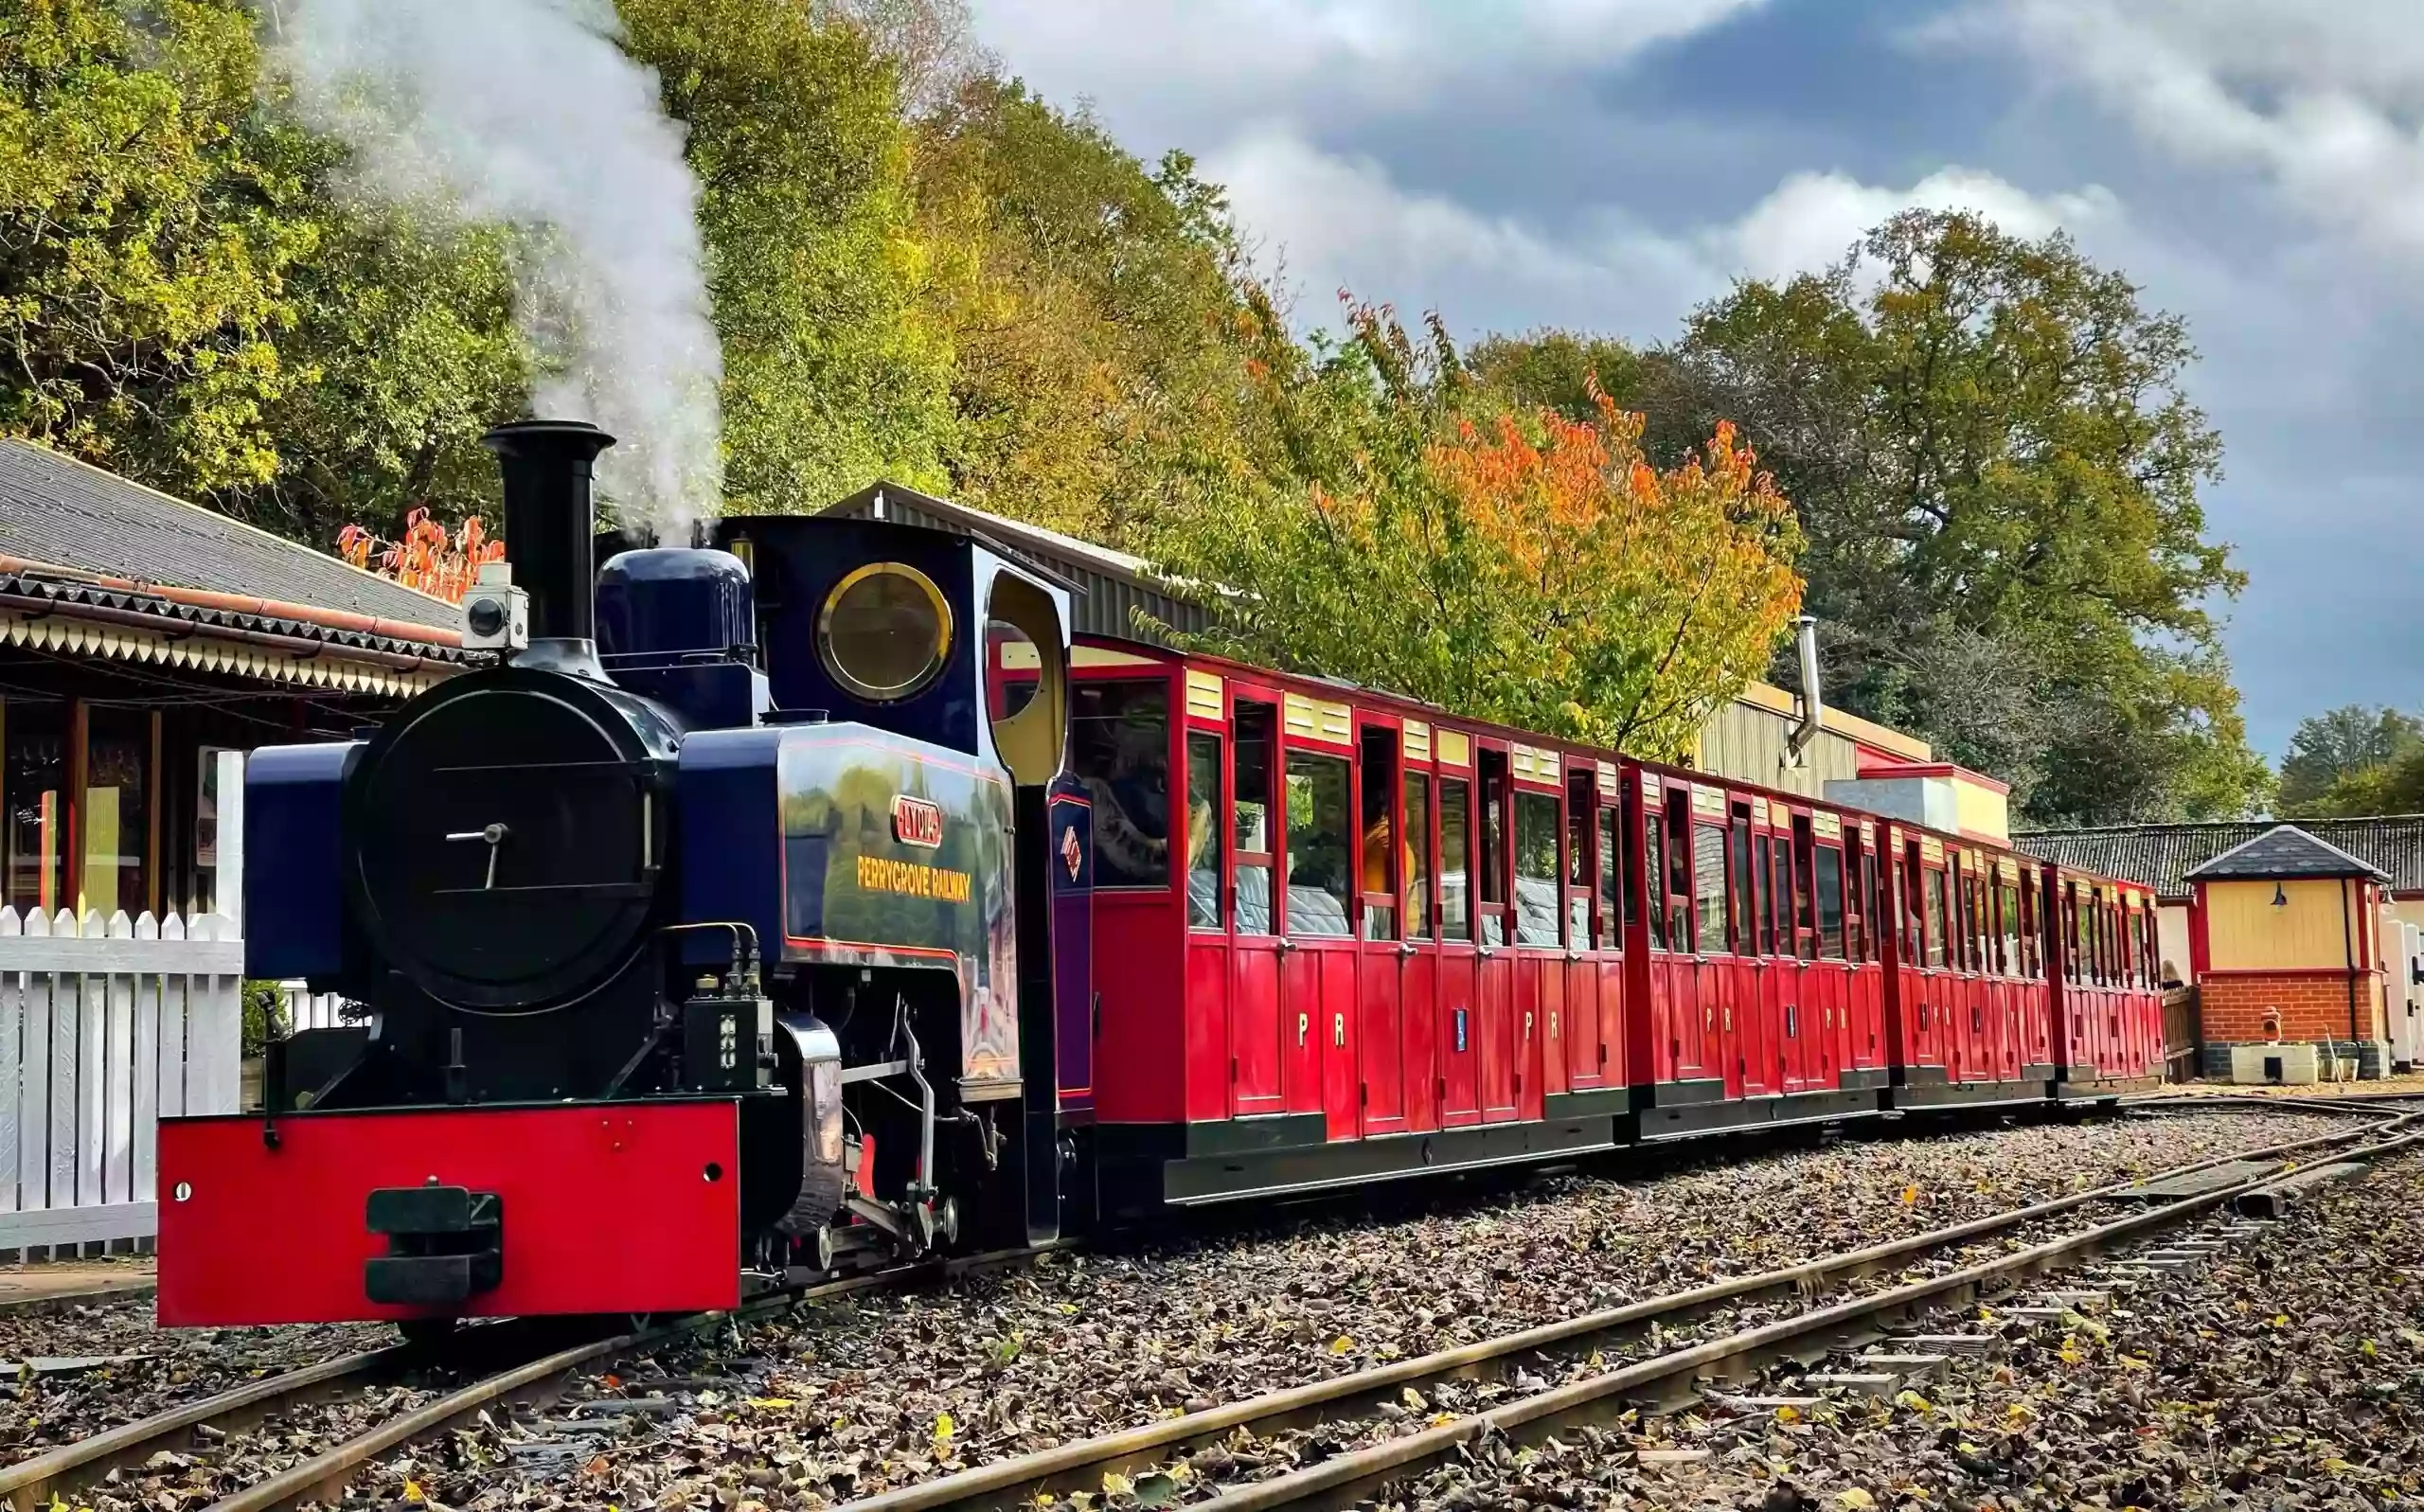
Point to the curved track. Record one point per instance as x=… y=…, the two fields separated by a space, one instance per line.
x=1345 y=1477
x=535 y=1358
x=536 y=1355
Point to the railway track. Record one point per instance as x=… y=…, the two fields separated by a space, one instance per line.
x=529 y=1361
x=1664 y=1376
x=537 y=1358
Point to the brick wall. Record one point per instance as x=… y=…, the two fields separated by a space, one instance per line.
x=2312 y=1006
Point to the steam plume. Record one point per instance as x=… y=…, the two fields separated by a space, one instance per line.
x=529 y=112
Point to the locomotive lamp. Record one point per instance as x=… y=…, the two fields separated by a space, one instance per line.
x=496 y=614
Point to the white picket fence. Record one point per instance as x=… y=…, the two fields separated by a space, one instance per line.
x=106 y=1027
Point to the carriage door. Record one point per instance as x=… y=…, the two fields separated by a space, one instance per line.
x=1457 y=1005
x=1385 y=955
x=2037 y=1019
x=1832 y=974
x=1318 y=913
x=1933 y=916
x=1712 y=959
x=1781 y=970
x=1255 y=1009
x=1494 y=964
x=1615 y=889
x=1580 y=1038
x=1863 y=1001
x=1418 y=922
x=1537 y=1008
x=1755 y=1030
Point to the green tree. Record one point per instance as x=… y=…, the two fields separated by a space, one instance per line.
x=833 y=374
x=1532 y=569
x=1094 y=315
x=1559 y=370
x=2331 y=748
x=1998 y=472
x=144 y=246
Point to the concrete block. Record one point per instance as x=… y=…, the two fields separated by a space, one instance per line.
x=2293 y=1065
x=1859 y=1383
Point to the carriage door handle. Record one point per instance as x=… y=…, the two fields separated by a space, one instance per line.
x=1406 y=947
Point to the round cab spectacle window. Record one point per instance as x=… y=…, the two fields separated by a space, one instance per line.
x=886 y=632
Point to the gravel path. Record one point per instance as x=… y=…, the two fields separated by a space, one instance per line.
x=2284 y=1376
x=860 y=1395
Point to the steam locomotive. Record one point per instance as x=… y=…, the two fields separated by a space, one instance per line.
x=815 y=899
x=686 y=965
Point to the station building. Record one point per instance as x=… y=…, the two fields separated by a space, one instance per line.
x=140 y=635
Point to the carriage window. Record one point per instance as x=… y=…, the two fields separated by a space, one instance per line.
x=1967 y=903
x=1493 y=847
x=1934 y=896
x=1318 y=865
x=1708 y=877
x=1871 y=896
x=1830 y=902
x=1780 y=895
x=1680 y=927
x=2013 y=963
x=1579 y=787
x=1611 y=911
x=1537 y=904
x=1119 y=747
x=1653 y=836
x=1418 y=856
x=1455 y=859
x=1202 y=831
x=1380 y=869
x=1982 y=910
x=1854 y=919
x=1913 y=910
x=1250 y=822
x=1805 y=893
x=2031 y=964
x=1763 y=861
x=1746 y=888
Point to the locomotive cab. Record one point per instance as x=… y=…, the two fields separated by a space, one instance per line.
x=698 y=943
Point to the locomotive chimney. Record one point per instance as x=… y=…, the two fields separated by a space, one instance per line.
x=550 y=522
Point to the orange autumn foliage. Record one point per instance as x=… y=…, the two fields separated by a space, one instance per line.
x=1533 y=569
x=429 y=558
x=1694 y=563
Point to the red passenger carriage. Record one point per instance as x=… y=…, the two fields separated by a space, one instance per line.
x=1341 y=935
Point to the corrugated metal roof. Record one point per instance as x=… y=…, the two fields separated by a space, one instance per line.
x=2162 y=856
x=58 y=510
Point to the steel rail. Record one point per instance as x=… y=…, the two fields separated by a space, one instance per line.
x=33 y=1483
x=1344 y=1480
x=324 y=1475
x=1079 y=1465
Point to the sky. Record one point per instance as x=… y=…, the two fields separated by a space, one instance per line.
x=2256 y=165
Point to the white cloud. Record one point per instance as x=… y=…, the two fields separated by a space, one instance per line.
x=1808 y=220
x=1340 y=222
x=1204 y=57
x=2318 y=100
